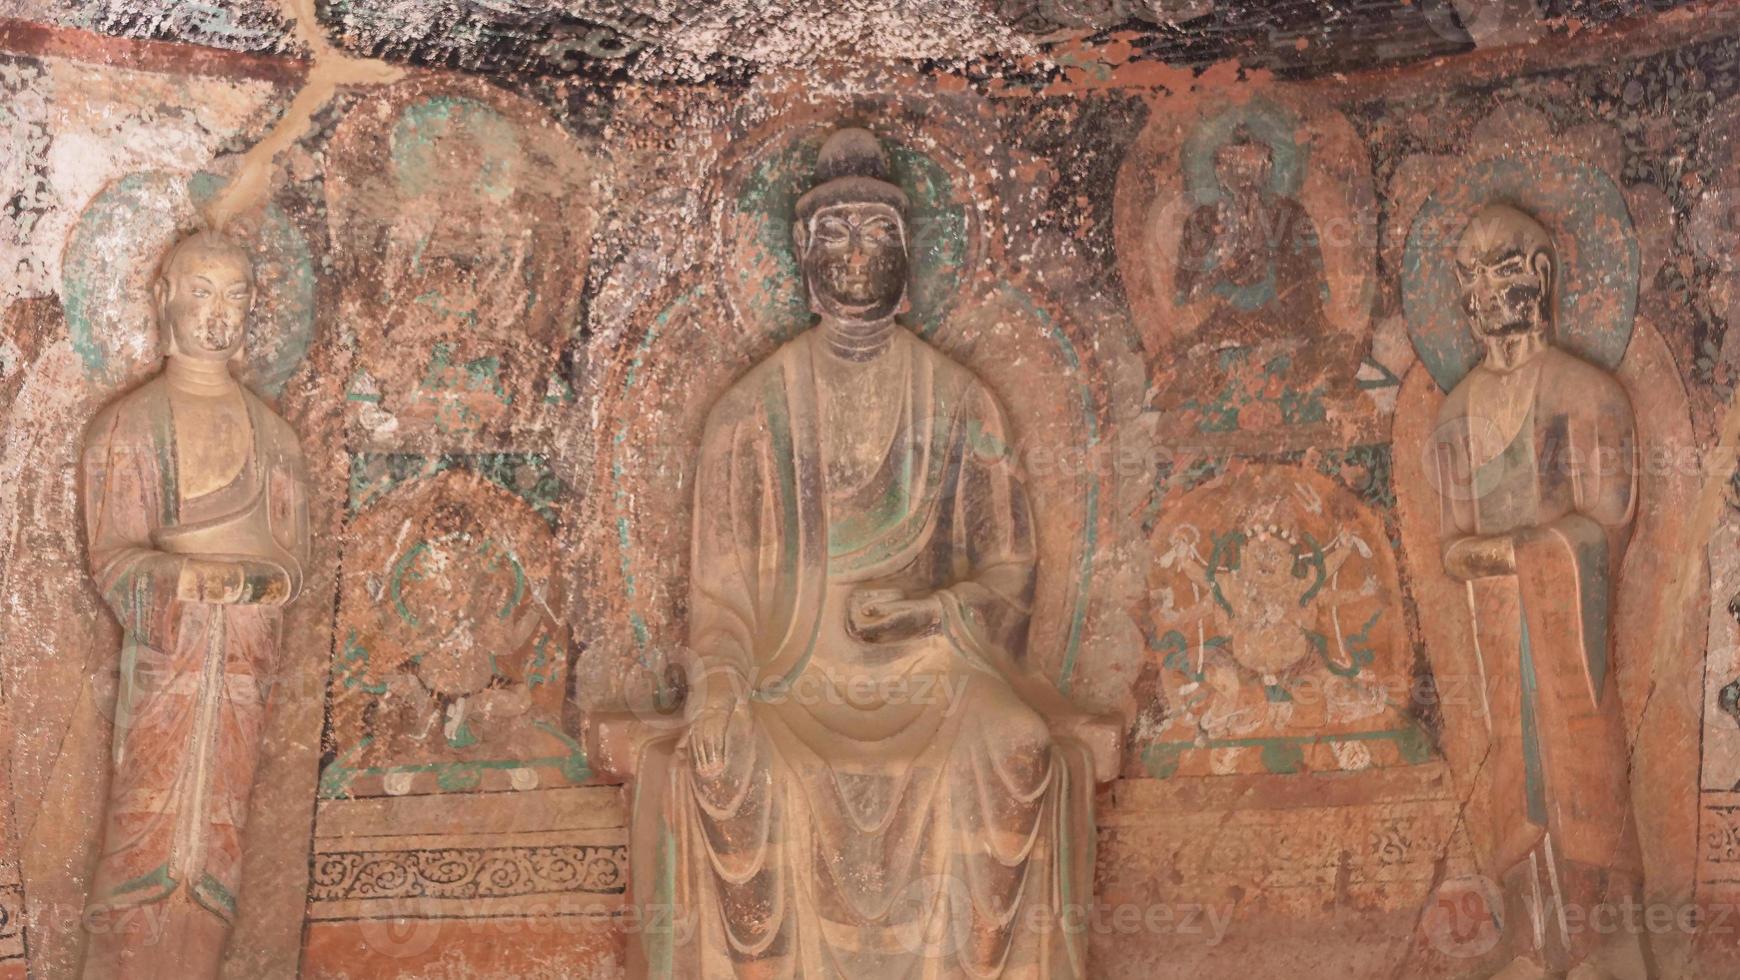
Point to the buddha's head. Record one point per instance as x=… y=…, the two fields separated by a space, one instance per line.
x=851 y=232
x=203 y=294
x=1505 y=264
x=1243 y=164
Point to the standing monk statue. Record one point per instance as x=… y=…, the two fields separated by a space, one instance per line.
x=1536 y=454
x=868 y=788
x=195 y=499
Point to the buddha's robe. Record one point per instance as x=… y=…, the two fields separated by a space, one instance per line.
x=1548 y=455
x=193 y=676
x=1254 y=268
x=1261 y=262
x=899 y=810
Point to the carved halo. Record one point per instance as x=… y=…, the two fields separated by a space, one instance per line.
x=112 y=257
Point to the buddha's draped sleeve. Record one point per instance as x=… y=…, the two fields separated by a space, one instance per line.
x=724 y=567
x=124 y=502
x=986 y=609
x=757 y=561
x=1452 y=472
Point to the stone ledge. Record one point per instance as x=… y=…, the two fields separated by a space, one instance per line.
x=511 y=812
x=1150 y=801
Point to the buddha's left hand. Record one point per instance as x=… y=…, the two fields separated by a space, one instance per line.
x=232 y=582
x=887 y=616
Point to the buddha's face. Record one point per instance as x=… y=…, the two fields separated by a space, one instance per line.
x=203 y=299
x=855 y=261
x=1504 y=265
x=1243 y=167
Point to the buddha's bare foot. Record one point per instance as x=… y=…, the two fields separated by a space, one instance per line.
x=1523 y=968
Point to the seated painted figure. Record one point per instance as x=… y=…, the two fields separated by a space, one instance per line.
x=863 y=792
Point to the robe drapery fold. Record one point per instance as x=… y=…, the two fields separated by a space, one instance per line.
x=1563 y=486
x=899 y=810
x=193 y=676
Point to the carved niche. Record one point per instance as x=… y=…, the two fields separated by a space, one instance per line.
x=1276 y=633
x=453 y=664
x=1540 y=507
x=860 y=590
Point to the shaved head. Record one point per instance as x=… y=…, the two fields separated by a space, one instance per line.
x=204 y=293
x=1506 y=266
x=1500 y=227
x=205 y=246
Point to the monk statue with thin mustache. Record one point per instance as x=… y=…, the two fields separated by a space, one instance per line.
x=1536 y=453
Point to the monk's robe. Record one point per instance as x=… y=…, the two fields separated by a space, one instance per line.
x=1562 y=481
x=899 y=810
x=193 y=675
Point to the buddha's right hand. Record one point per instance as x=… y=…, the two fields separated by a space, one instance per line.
x=1475 y=557
x=888 y=616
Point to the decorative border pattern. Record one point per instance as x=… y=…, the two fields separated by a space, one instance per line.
x=470 y=873
x=1722 y=836
x=11 y=914
x=1717 y=886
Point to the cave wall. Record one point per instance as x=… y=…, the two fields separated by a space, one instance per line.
x=496 y=308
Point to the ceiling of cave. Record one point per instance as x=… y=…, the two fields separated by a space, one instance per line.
x=727 y=40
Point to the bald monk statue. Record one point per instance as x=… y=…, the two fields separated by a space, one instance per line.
x=868 y=788
x=1536 y=454
x=195 y=500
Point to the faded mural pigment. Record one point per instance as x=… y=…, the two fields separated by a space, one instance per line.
x=940 y=488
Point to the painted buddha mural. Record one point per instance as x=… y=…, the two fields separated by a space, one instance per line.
x=1252 y=254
